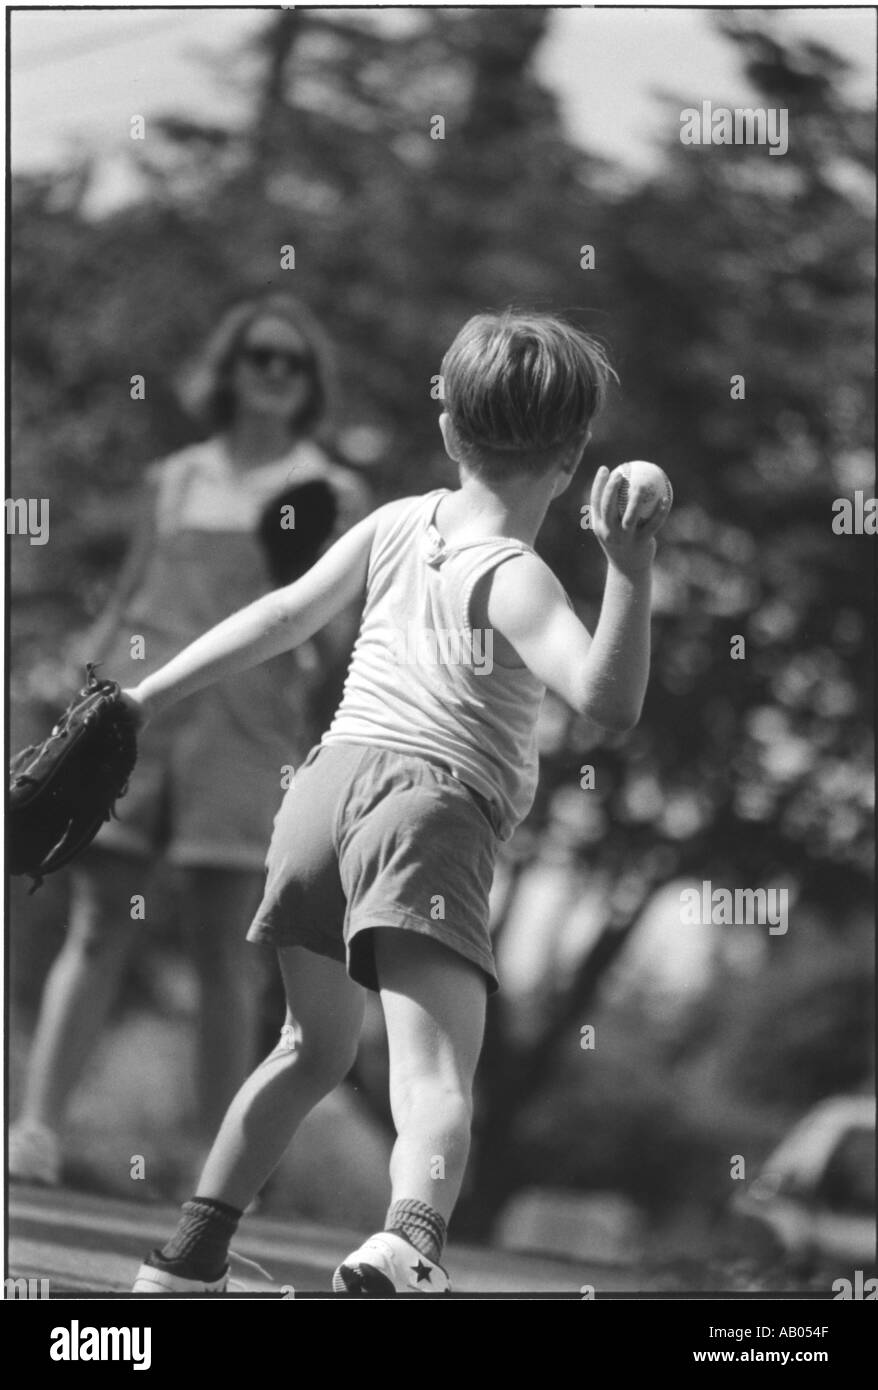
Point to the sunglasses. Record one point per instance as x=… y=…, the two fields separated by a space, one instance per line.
x=264 y=357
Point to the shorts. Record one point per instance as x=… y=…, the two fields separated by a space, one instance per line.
x=367 y=837
x=204 y=792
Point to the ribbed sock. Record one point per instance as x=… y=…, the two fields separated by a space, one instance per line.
x=418 y=1223
x=199 y=1247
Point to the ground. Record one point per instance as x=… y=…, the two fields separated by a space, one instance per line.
x=84 y=1243
x=132 y=1114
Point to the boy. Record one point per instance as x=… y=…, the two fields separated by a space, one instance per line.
x=382 y=854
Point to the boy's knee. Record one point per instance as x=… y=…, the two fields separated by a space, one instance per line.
x=436 y=1101
x=323 y=1062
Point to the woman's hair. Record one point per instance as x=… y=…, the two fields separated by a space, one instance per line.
x=521 y=384
x=207 y=390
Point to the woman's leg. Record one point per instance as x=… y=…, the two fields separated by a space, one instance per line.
x=218 y=906
x=82 y=983
x=434 y=1007
x=317 y=1049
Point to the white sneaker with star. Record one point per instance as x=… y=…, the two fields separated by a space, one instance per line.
x=387 y=1264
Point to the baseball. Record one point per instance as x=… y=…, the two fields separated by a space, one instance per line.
x=653 y=484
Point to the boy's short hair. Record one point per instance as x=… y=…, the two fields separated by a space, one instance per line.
x=519 y=387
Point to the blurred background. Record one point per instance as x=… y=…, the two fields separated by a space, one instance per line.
x=711 y=1044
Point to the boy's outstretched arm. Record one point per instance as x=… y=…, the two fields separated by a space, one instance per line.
x=603 y=677
x=273 y=624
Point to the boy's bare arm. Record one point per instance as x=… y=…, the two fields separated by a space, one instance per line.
x=273 y=624
x=603 y=677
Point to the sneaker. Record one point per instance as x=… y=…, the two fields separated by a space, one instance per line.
x=151 y=1279
x=34 y=1154
x=387 y=1264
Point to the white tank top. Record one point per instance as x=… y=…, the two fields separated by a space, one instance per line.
x=422 y=681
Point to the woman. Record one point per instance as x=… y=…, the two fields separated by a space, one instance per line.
x=205 y=542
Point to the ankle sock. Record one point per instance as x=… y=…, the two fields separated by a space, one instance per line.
x=199 y=1247
x=418 y=1223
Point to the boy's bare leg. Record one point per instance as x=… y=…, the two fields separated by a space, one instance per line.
x=434 y=1007
x=324 y=1019
x=83 y=982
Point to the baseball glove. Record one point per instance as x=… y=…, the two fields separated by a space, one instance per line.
x=294 y=527
x=62 y=790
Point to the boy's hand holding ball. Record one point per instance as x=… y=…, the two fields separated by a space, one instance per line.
x=627 y=508
x=644 y=490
